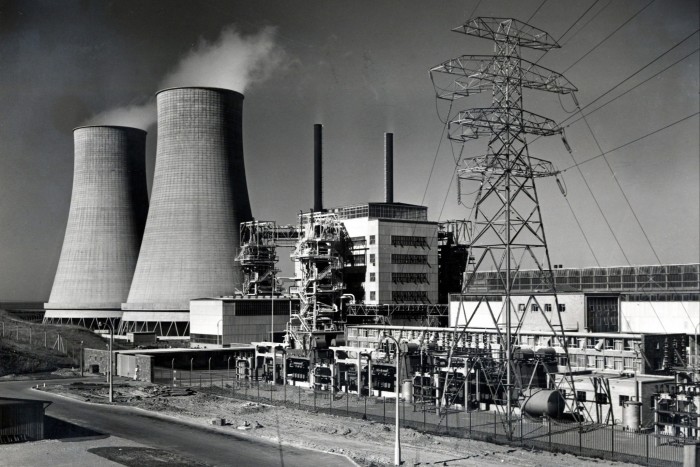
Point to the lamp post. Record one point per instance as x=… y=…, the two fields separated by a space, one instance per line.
x=111 y=364
x=82 y=366
x=218 y=333
x=272 y=310
x=397 y=441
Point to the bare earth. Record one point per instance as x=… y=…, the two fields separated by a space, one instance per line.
x=366 y=442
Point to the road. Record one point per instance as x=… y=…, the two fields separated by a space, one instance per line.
x=200 y=444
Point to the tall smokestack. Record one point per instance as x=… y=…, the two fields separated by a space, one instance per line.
x=199 y=199
x=318 y=167
x=107 y=215
x=388 y=167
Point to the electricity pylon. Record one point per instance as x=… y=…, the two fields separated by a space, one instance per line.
x=507 y=231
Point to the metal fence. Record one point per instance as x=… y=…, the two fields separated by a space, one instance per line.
x=590 y=440
x=38 y=336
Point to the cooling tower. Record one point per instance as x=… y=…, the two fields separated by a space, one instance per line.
x=198 y=200
x=106 y=220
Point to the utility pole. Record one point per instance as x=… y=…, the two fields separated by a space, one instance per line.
x=507 y=230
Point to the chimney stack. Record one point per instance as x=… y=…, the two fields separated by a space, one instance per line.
x=388 y=167
x=318 y=167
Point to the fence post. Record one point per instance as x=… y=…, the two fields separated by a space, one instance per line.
x=612 y=439
x=299 y=397
x=258 y=384
x=495 y=421
x=580 y=438
x=314 y=399
x=366 y=408
x=285 y=391
x=470 y=422
x=3 y=333
x=330 y=402
x=646 y=442
x=521 y=428
x=384 y=414
x=424 y=415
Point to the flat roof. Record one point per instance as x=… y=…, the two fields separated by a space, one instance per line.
x=14 y=401
x=184 y=350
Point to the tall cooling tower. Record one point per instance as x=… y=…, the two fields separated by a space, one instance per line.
x=199 y=198
x=106 y=220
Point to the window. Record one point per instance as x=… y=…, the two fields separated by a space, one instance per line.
x=623 y=399
x=373 y=295
x=547 y=307
x=406 y=240
x=521 y=307
x=372 y=257
x=581 y=396
x=409 y=259
x=601 y=398
x=372 y=239
x=562 y=307
x=372 y=276
x=535 y=307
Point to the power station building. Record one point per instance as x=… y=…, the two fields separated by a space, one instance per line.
x=107 y=215
x=199 y=198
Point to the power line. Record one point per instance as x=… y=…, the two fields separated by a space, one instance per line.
x=585 y=237
x=627 y=91
x=579 y=19
x=609 y=36
x=603 y=154
x=587 y=22
x=535 y=12
x=471 y=15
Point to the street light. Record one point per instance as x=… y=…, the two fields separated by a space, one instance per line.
x=218 y=333
x=397 y=441
x=111 y=365
x=81 y=359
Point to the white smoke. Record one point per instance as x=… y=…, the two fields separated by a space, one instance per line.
x=234 y=61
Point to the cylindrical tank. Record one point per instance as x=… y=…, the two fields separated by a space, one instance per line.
x=198 y=200
x=107 y=215
x=548 y=402
x=630 y=415
x=407 y=390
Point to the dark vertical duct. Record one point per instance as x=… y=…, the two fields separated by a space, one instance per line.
x=388 y=167
x=318 y=167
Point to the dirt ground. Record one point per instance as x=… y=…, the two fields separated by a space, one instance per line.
x=366 y=442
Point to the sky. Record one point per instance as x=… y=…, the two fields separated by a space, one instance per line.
x=361 y=69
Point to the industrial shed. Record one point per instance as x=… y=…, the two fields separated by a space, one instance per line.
x=21 y=419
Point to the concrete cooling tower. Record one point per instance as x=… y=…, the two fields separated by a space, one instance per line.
x=106 y=220
x=199 y=198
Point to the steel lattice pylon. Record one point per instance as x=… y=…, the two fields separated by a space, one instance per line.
x=507 y=231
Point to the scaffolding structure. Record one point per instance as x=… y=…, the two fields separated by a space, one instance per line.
x=257 y=254
x=319 y=256
x=507 y=232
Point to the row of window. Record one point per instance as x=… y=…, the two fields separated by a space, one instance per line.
x=409 y=259
x=536 y=307
x=409 y=296
x=409 y=278
x=408 y=240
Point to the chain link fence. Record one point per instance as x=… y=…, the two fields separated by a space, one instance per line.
x=611 y=443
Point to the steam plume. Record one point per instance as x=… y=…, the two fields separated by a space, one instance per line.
x=233 y=61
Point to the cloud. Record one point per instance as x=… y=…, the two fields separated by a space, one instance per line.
x=234 y=61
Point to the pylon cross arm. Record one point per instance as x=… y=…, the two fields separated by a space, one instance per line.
x=508 y=30
x=473 y=123
x=476 y=73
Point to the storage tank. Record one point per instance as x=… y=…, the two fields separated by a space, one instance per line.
x=199 y=199
x=108 y=209
x=548 y=402
x=631 y=415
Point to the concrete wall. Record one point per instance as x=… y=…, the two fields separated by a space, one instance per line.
x=205 y=316
x=97 y=357
x=572 y=317
x=382 y=249
x=138 y=367
x=655 y=317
